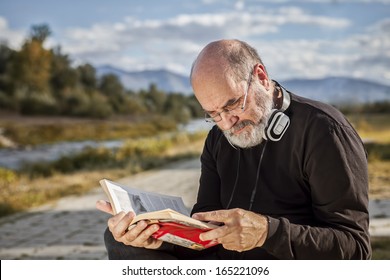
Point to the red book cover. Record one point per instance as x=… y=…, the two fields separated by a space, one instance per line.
x=183 y=235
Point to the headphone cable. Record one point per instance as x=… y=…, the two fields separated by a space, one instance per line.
x=257 y=178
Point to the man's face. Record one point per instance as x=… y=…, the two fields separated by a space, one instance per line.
x=249 y=129
x=242 y=128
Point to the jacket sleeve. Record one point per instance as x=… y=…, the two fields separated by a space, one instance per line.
x=335 y=167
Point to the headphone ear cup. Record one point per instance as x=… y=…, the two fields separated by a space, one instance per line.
x=277 y=125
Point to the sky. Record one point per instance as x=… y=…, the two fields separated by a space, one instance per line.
x=295 y=39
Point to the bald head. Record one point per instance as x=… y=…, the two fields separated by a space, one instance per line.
x=232 y=58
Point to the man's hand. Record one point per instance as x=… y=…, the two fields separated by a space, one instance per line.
x=138 y=235
x=242 y=230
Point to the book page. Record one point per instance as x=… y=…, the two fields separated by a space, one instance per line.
x=156 y=202
x=119 y=198
x=130 y=199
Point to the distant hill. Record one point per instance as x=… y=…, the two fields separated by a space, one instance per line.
x=334 y=90
x=164 y=79
x=339 y=90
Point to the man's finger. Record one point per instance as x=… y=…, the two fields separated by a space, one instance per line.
x=147 y=232
x=220 y=216
x=104 y=206
x=119 y=223
x=214 y=234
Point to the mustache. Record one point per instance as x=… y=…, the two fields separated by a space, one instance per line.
x=240 y=125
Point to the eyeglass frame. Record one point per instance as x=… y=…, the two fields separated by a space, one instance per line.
x=211 y=119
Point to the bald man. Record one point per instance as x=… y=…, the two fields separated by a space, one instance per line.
x=285 y=176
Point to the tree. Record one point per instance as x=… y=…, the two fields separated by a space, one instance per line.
x=63 y=76
x=176 y=107
x=32 y=64
x=112 y=88
x=6 y=98
x=6 y=55
x=40 y=32
x=87 y=77
x=154 y=99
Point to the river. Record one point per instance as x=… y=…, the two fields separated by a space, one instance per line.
x=12 y=158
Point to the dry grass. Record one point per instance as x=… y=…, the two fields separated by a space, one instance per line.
x=372 y=127
x=24 y=193
x=379 y=179
x=30 y=131
x=376 y=128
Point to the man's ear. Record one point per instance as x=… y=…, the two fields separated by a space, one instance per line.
x=261 y=74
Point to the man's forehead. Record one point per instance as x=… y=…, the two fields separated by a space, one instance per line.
x=215 y=97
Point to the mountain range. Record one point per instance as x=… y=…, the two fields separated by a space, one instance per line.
x=165 y=80
x=334 y=90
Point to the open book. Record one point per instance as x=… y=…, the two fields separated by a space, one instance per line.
x=176 y=226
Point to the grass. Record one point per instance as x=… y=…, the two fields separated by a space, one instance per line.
x=380 y=248
x=372 y=127
x=32 y=131
x=379 y=179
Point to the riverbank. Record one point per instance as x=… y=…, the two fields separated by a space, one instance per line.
x=27 y=132
x=77 y=174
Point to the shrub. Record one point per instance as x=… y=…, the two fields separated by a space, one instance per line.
x=38 y=104
x=7 y=177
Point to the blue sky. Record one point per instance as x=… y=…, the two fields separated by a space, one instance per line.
x=296 y=39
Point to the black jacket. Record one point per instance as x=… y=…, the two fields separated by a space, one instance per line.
x=312 y=184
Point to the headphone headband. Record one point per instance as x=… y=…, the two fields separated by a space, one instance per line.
x=286 y=97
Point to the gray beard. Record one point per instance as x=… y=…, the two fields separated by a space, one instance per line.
x=253 y=136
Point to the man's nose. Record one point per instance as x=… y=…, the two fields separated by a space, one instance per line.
x=228 y=121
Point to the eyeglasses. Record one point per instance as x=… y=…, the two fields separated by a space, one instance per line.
x=231 y=108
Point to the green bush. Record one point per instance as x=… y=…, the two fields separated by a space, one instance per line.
x=88 y=159
x=380 y=248
x=38 y=104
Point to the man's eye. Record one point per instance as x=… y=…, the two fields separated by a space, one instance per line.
x=232 y=106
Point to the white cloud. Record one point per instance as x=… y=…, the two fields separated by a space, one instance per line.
x=186 y=29
x=365 y=55
x=13 y=38
x=174 y=43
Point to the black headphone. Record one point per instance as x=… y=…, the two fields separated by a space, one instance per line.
x=278 y=121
